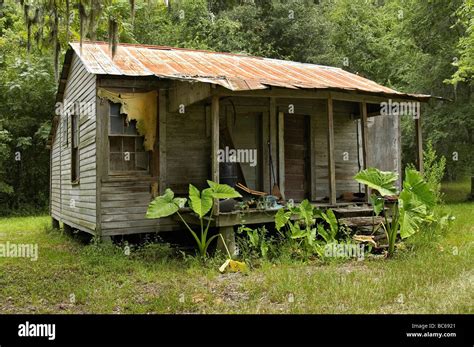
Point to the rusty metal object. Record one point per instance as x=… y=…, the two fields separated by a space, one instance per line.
x=232 y=71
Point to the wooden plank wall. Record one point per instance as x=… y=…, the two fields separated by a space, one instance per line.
x=188 y=149
x=124 y=203
x=75 y=205
x=187 y=145
x=188 y=160
x=346 y=147
x=124 y=199
x=384 y=149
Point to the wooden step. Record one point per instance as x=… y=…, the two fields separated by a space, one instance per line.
x=358 y=222
x=358 y=211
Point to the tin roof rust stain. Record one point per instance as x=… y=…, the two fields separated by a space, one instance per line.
x=232 y=71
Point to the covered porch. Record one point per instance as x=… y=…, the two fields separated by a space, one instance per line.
x=309 y=142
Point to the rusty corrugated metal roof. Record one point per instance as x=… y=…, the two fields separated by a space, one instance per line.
x=232 y=71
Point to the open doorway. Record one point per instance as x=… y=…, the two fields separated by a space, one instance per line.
x=240 y=136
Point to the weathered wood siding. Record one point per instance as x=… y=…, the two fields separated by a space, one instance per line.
x=384 y=150
x=184 y=143
x=346 y=148
x=188 y=149
x=123 y=207
x=124 y=200
x=75 y=204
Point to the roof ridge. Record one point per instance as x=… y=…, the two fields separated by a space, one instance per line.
x=171 y=48
x=230 y=70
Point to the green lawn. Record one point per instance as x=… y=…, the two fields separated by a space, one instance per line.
x=456 y=191
x=425 y=277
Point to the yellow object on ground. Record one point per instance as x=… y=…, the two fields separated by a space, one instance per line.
x=233 y=266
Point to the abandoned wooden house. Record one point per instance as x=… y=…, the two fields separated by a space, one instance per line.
x=152 y=118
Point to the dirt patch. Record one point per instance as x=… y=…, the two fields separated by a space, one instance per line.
x=229 y=289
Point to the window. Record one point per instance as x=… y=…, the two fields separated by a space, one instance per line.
x=126 y=150
x=65 y=131
x=74 y=148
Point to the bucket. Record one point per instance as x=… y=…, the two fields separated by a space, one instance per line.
x=228 y=174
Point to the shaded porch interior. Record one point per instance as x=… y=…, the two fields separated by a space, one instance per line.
x=310 y=147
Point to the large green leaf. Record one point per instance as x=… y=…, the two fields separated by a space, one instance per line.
x=324 y=234
x=331 y=219
x=382 y=181
x=415 y=202
x=297 y=232
x=164 y=205
x=377 y=203
x=222 y=191
x=415 y=183
x=412 y=213
x=281 y=218
x=254 y=238
x=200 y=203
x=305 y=210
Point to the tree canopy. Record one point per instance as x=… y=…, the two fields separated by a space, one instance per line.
x=410 y=45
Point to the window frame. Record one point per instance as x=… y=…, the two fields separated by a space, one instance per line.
x=65 y=131
x=75 y=155
x=124 y=173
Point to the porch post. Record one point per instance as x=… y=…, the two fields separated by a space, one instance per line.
x=365 y=131
x=162 y=139
x=331 y=161
x=215 y=144
x=273 y=138
x=419 y=141
x=281 y=153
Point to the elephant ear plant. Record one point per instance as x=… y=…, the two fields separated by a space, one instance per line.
x=200 y=202
x=413 y=209
x=305 y=229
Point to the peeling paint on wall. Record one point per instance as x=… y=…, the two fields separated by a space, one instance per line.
x=141 y=107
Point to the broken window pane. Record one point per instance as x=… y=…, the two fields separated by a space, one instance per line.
x=116 y=124
x=114 y=109
x=127 y=152
x=131 y=128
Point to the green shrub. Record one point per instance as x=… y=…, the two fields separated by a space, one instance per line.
x=434 y=169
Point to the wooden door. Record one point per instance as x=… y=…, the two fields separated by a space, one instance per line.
x=296 y=138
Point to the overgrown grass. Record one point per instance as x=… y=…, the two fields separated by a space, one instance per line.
x=427 y=275
x=456 y=191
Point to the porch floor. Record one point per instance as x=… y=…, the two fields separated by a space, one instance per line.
x=259 y=216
